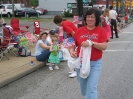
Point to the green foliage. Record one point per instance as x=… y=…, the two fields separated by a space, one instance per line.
x=34 y=2
x=68 y=14
x=93 y=1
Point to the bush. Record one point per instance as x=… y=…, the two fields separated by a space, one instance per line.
x=68 y=14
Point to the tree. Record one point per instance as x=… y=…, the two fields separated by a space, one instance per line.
x=34 y=2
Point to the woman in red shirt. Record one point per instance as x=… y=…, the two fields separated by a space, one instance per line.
x=97 y=36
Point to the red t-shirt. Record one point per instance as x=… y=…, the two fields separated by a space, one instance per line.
x=68 y=27
x=96 y=35
x=37 y=27
x=126 y=18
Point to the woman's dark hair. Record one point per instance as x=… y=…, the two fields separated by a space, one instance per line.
x=96 y=13
x=42 y=35
x=57 y=19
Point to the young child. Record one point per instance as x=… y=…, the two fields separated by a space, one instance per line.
x=54 y=57
x=126 y=20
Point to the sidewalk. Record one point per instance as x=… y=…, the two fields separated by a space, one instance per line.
x=17 y=67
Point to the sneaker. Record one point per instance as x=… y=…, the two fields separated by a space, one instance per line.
x=56 y=67
x=117 y=36
x=74 y=74
x=50 y=68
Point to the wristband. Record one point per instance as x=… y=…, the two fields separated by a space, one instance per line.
x=93 y=43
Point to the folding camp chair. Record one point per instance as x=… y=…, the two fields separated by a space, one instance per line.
x=31 y=38
x=16 y=27
x=2 y=51
x=4 y=44
x=7 y=43
x=37 y=29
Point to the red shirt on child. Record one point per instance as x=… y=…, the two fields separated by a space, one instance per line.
x=68 y=27
x=126 y=18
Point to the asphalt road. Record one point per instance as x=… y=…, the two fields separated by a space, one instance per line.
x=116 y=80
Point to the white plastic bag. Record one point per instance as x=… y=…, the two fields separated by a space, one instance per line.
x=72 y=62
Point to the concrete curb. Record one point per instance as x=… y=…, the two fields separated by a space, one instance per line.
x=19 y=72
x=130 y=22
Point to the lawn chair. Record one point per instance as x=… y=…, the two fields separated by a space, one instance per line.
x=31 y=38
x=7 y=43
x=16 y=27
x=2 y=52
x=37 y=29
x=4 y=45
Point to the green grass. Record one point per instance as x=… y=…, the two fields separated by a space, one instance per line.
x=35 y=18
x=131 y=19
x=31 y=19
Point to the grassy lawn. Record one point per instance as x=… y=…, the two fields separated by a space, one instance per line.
x=31 y=19
x=34 y=18
x=131 y=19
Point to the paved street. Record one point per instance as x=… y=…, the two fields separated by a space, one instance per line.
x=116 y=80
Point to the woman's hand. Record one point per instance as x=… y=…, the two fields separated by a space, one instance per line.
x=85 y=44
x=59 y=46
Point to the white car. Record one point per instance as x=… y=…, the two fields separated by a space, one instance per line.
x=6 y=9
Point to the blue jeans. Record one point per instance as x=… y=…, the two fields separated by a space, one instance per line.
x=43 y=56
x=89 y=85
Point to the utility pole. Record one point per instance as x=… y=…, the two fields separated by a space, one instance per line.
x=117 y=6
x=12 y=8
x=107 y=3
x=80 y=8
x=130 y=6
x=123 y=7
x=80 y=11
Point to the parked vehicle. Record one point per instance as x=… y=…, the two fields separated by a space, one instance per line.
x=6 y=10
x=41 y=9
x=40 y=12
x=19 y=5
x=27 y=12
